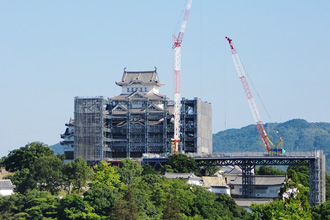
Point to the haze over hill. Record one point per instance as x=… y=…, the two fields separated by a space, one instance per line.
x=298 y=135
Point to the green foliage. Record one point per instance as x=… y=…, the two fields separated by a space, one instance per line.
x=76 y=174
x=172 y=211
x=102 y=198
x=33 y=205
x=129 y=170
x=40 y=204
x=48 y=173
x=141 y=195
x=302 y=173
x=175 y=196
x=327 y=185
x=298 y=135
x=106 y=175
x=209 y=170
x=25 y=157
x=268 y=170
x=296 y=206
x=74 y=207
x=278 y=209
x=321 y=212
x=147 y=170
x=23 y=180
x=166 y=168
x=30 y=167
x=126 y=209
x=181 y=163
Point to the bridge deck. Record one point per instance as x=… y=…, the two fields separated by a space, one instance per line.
x=248 y=160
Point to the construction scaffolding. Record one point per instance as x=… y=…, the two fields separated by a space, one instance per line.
x=196 y=127
x=136 y=126
x=138 y=121
x=88 y=116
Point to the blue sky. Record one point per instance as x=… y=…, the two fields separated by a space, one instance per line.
x=52 y=51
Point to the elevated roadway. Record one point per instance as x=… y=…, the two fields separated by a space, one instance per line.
x=247 y=161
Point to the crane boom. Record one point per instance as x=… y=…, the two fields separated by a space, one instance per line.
x=241 y=73
x=177 y=72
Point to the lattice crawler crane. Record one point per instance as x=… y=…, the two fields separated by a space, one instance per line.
x=264 y=137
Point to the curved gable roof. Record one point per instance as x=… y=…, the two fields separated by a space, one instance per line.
x=139 y=77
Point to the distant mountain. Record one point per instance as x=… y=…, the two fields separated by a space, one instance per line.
x=298 y=135
x=58 y=148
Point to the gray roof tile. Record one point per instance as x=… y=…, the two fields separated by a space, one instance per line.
x=6 y=184
x=139 y=77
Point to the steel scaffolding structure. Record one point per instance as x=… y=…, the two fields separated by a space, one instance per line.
x=138 y=121
x=135 y=131
x=88 y=138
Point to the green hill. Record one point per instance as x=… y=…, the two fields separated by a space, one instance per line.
x=298 y=135
x=58 y=148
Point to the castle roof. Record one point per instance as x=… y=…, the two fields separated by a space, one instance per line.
x=70 y=123
x=140 y=96
x=140 y=77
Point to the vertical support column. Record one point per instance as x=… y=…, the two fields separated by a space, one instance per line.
x=165 y=139
x=312 y=183
x=101 y=107
x=196 y=125
x=146 y=126
x=323 y=178
x=128 y=134
x=317 y=179
x=110 y=105
x=183 y=125
x=248 y=179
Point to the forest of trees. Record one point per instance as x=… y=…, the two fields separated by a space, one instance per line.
x=47 y=188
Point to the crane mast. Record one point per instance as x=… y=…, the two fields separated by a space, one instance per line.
x=241 y=73
x=177 y=72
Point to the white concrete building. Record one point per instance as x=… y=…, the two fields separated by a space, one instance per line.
x=265 y=186
x=198 y=181
x=216 y=184
x=6 y=187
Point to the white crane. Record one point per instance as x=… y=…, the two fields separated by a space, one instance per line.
x=177 y=72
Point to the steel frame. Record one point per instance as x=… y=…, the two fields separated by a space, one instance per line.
x=248 y=163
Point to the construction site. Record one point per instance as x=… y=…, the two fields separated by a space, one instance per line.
x=140 y=122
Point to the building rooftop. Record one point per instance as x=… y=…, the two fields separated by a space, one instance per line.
x=246 y=202
x=140 y=96
x=178 y=175
x=139 y=77
x=70 y=123
x=214 y=181
x=259 y=180
x=6 y=184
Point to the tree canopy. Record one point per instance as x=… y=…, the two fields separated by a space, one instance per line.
x=135 y=192
x=268 y=170
x=106 y=174
x=181 y=163
x=25 y=157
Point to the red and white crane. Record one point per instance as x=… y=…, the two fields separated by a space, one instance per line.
x=241 y=73
x=177 y=72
